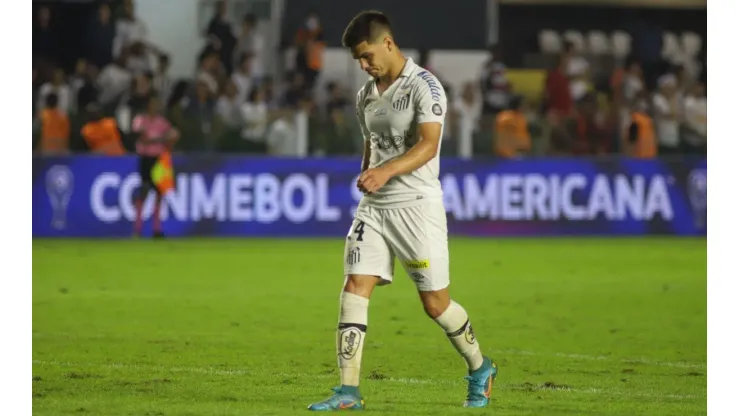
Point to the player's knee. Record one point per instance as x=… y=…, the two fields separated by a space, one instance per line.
x=360 y=285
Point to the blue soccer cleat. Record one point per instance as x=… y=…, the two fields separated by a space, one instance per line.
x=339 y=401
x=480 y=384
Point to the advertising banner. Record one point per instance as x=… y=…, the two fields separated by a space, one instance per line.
x=88 y=196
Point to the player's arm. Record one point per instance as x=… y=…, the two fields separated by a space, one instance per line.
x=430 y=113
x=360 y=112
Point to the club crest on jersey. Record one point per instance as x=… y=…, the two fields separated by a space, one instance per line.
x=437 y=109
x=402 y=103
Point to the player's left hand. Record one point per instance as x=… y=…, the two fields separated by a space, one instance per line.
x=373 y=179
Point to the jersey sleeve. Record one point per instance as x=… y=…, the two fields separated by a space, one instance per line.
x=360 y=112
x=430 y=100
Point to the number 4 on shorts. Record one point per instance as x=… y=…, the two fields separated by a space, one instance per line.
x=359 y=230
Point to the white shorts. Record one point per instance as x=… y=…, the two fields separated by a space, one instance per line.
x=417 y=235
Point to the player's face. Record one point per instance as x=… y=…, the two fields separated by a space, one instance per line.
x=372 y=57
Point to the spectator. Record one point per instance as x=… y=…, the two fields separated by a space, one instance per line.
x=243 y=78
x=695 y=122
x=228 y=106
x=101 y=133
x=667 y=113
x=337 y=99
x=59 y=87
x=466 y=112
x=77 y=81
x=558 y=105
x=45 y=38
x=177 y=103
x=100 y=37
x=512 y=133
x=251 y=42
x=495 y=86
x=221 y=36
x=138 y=101
x=590 y=136
x=139 y=61
x=54 y=127
x=129 y=29
x=162 y=79
x=271 y=95
x=577 y=71
x=88 y=93
x=210 y=70
x=338 y=131
x=295 y=90
x=633 y=83
x=199 y=119
x=255 y=117
x=309 y=41
x=114 y=80
x=640 y=141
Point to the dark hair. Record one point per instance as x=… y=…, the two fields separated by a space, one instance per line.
x=365 y=27
x=52 y=100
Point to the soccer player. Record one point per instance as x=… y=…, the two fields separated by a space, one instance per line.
x=401 y=110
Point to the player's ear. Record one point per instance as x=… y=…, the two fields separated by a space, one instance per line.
x=388 y=43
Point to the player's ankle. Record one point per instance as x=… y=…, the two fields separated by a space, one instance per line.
x=351 y=390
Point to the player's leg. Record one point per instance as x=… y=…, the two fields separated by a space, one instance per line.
x=368 y=262
x=156 y=215
x=418 y=236
x=145 y=166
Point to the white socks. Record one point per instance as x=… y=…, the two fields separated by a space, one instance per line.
x=454 y=321
x=351 y=336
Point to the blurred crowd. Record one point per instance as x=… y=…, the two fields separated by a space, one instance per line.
x=636 y=112
x=232 y=104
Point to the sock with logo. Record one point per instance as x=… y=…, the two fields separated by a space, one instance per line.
x=350 y=339
x=455 y=322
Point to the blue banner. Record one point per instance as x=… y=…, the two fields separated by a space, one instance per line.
x=88 y=196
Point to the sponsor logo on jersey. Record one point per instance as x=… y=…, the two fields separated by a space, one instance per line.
x=437 y=109
x=434 y=89
x=380 y=112
x=402 y=103
x=417 y=264
x=386 y=141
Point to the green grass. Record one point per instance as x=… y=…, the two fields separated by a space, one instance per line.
x=246 y=327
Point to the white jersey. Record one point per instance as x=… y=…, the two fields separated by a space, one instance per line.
x=390 y=123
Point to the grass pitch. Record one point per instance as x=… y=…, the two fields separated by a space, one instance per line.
x=246 y=327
